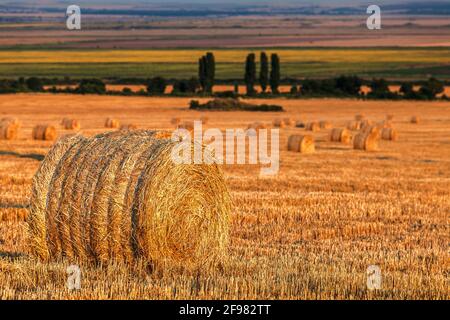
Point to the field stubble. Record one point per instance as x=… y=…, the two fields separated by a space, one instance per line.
x=308 y=233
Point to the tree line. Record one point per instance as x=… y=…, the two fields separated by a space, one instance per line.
x=269 y=76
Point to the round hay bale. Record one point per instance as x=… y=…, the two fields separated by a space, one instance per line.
x=385 y=124
x=40 y=188
x=10 y=120
x=375 y=130
x=301 y=143
x=415 y=120
x=112 y=123
x=175 y=121
x=365 y=124
x=71 y=124
x=119 y=196
x=9 y=130
x=389 y=117
x=354 y=125
x=256 y=126
x=312 y=126
x=288 y=122
x=341 y=135
x=128 y=127
x=279 y=123
x=359 y=117
x=389 y=134
x=325 y=124
x=299 y=124
x=44 y=132
x=366 y=141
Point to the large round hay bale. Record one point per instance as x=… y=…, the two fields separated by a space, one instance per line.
x=71 y=124
x=389 y=117
x=279 y=123
x=301 y=143
x=389 y=134
x=112 y=123
x=44 y=132
x=325 y=124
x=128 y=126
x=415 y=120
x=354 y=125
x=119 y=196
x=312 y=126
x=9 y=129
x=366 y=141
x=359 y=117
x=341 y=135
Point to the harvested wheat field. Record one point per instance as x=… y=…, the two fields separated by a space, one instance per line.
x=309 y=232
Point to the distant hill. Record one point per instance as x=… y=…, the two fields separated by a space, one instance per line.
x=229 y=7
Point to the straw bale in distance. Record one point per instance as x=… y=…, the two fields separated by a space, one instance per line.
x=415 y=120
x=341 y=135
x=9 y=128
x=325 y=124
x=354 y=125
x=71 y=124
x=11 y=120
x=389 y=117
x=365 y=124
x=366 y=141
x=372 y=129
x=44 y=132
x=312 y=126
x=279 y=123
x=288 y=121
x=389 y=134
x=299 y=124
x=301 y=143
x=119 y=196
x=359 y=117
x=112 y=123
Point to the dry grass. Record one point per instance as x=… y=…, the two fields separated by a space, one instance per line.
x=308 y=233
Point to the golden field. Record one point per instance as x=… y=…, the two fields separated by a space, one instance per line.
x=366 y=56
x=308 y=233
